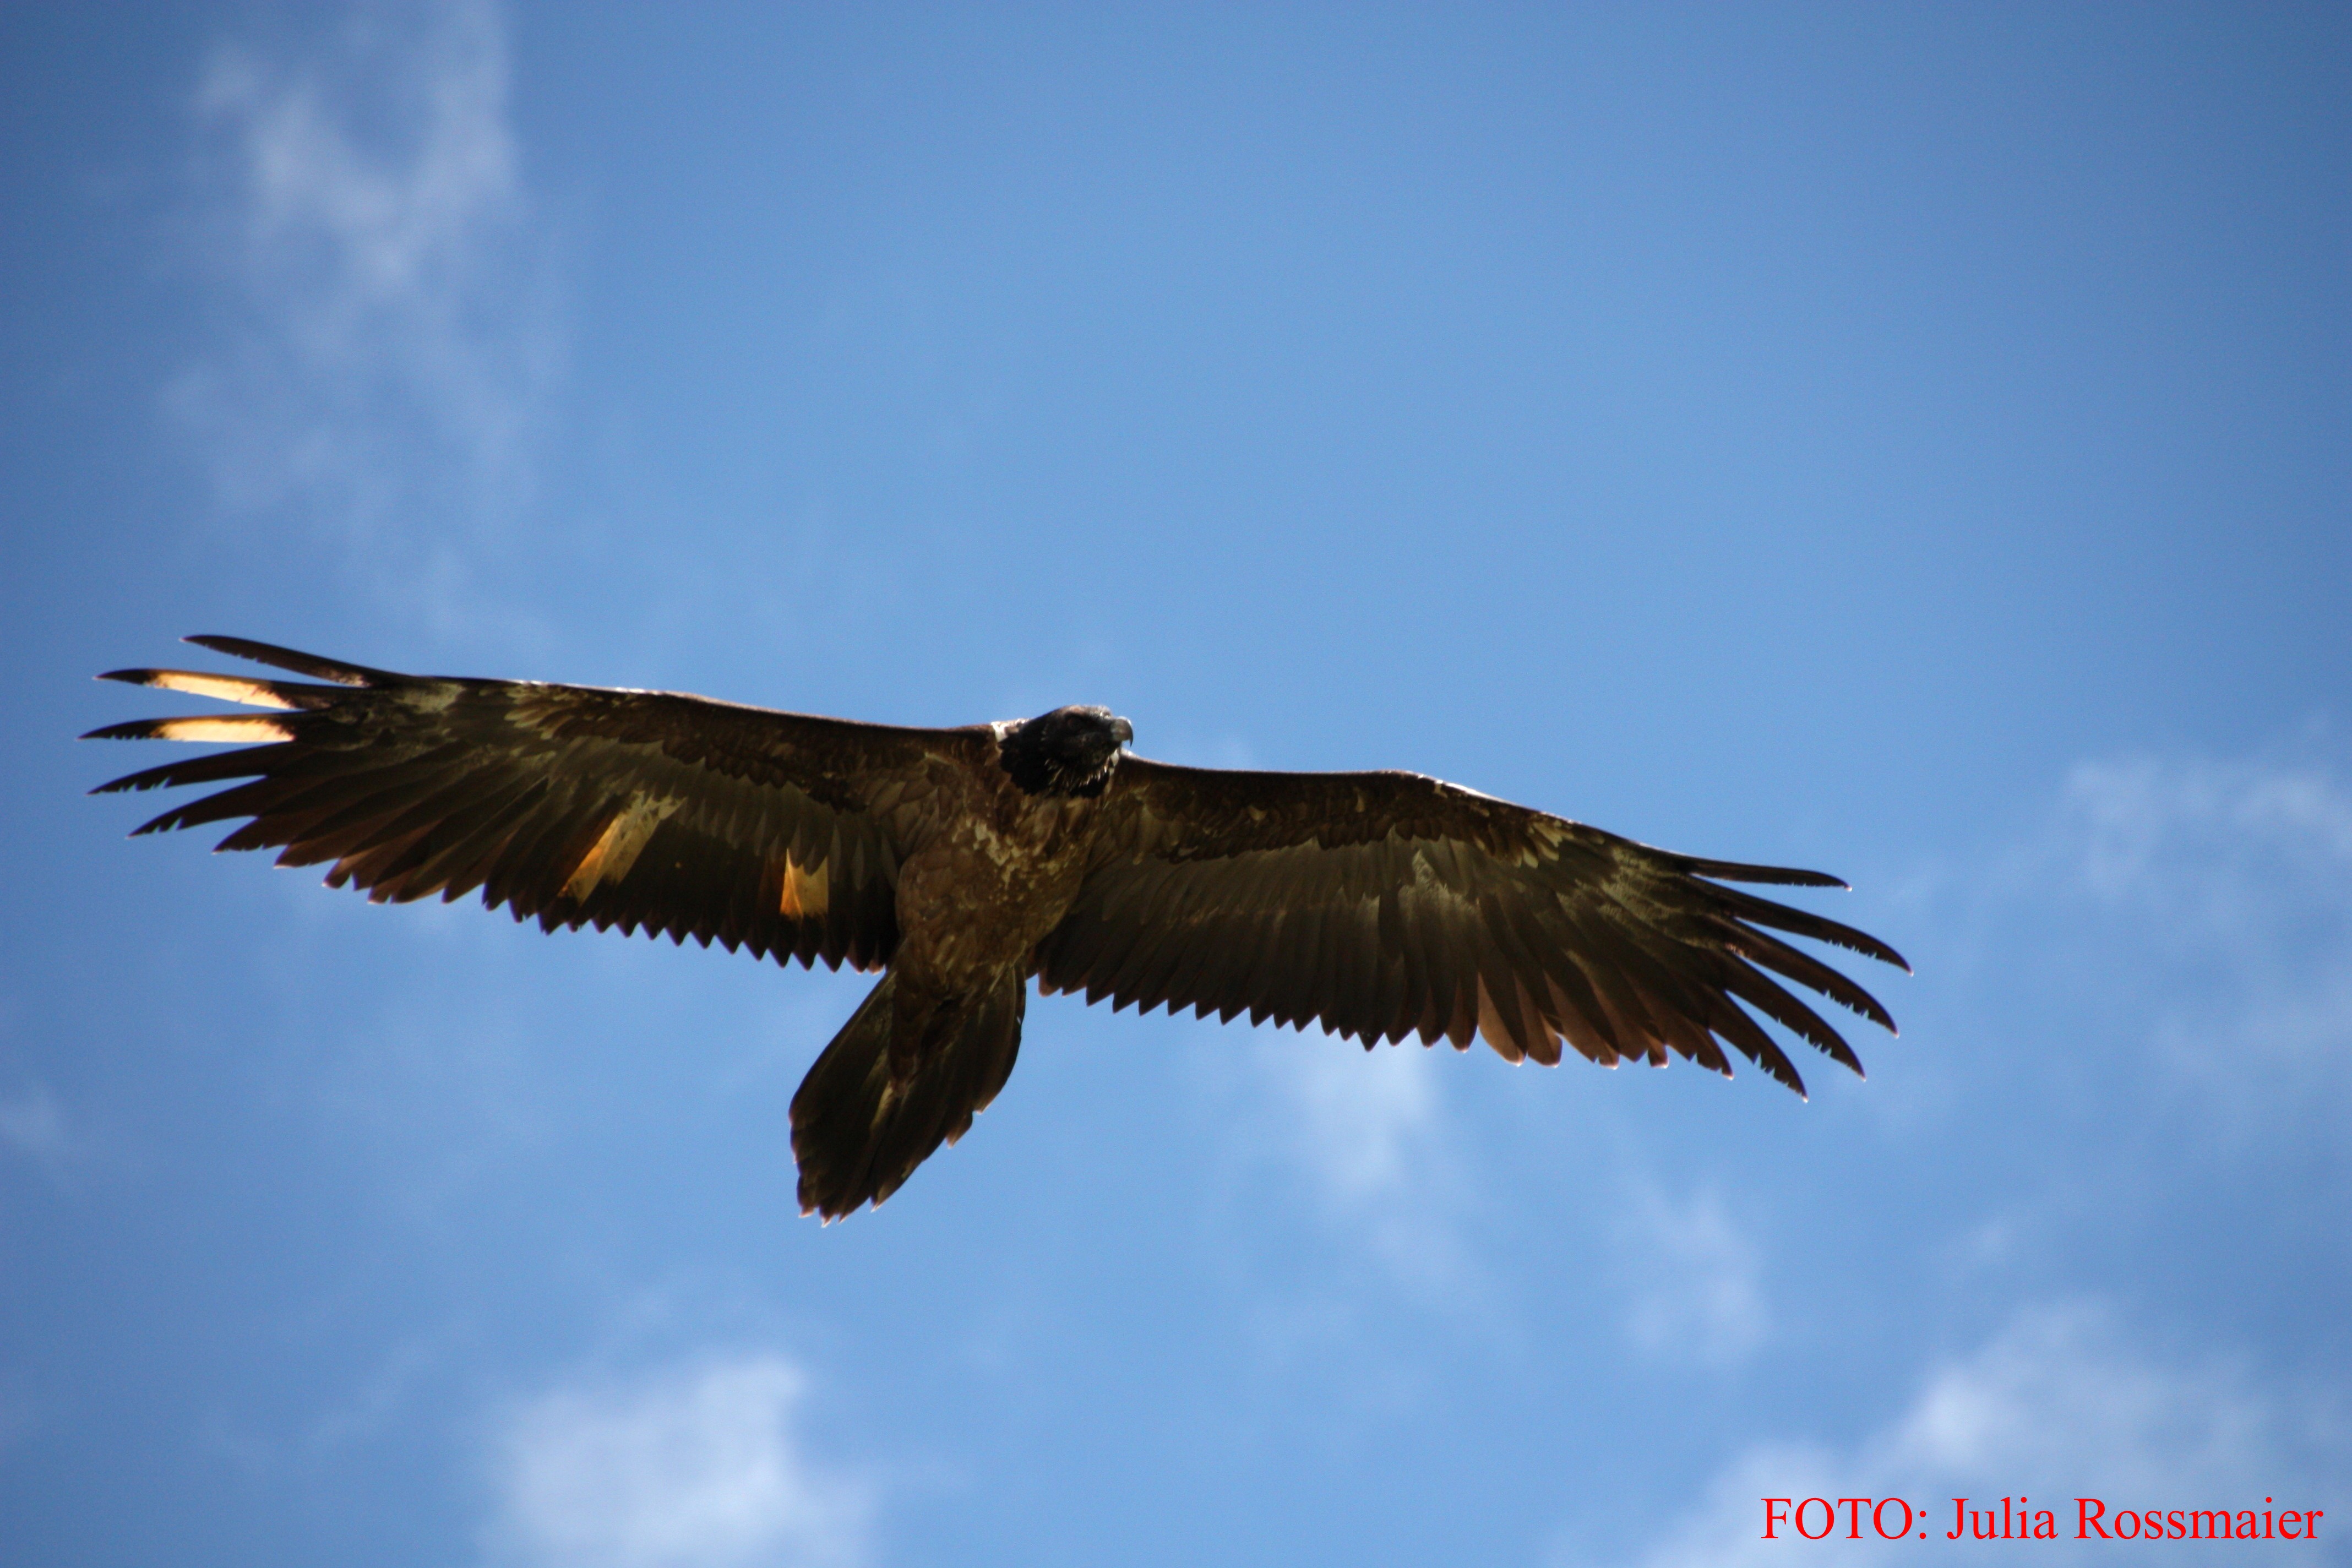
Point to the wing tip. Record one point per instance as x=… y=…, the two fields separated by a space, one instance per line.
x=233 y=729
x=246 y=690
x=129 y=730
x=310 y=664
x=1775 y=876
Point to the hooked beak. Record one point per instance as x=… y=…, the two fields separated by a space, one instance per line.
x=1124 y=731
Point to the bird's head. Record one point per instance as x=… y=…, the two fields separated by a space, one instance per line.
x=1071 y=751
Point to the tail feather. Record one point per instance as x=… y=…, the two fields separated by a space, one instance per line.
x=859 y=1129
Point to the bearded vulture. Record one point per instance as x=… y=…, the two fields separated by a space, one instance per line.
x=961 y=863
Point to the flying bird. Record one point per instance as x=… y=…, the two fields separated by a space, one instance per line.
x=964 y=862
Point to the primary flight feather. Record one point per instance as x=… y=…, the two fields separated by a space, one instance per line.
x=962 y=862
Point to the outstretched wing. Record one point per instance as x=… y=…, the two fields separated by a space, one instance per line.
x=1384 y=904
x=580 y=806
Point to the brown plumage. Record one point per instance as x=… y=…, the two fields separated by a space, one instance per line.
x=965 y=861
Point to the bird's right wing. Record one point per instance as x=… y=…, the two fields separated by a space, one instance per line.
x=648 y=810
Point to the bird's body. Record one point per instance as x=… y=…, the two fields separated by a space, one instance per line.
x=967 y=861
x=999 y=848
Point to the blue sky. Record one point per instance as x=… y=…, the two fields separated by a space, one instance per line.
x=1912 y=442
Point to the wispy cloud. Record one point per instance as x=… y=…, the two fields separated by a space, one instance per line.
x=33 y=1125
x=2062 y=1403
x=2189 y=919
x=1695 y=1276
x=698 y=1468
x=388 y=332
x=2228 y=891
x=1368 y=1132
x=1360 y=1122
x=2132 y=816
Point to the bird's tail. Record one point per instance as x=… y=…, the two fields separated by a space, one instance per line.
x=909 y=1071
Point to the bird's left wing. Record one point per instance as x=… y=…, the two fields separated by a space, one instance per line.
x=648 y=810
x=1384 y=904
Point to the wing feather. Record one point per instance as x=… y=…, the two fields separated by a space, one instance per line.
x=650 y=811
x=1382 y=905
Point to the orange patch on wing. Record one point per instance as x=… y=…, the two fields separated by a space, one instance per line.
x=802 y=893
x=227 y=727
x=617 y=847
x=228 y=688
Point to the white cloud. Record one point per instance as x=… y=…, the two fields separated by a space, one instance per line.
x=1694 y=1277
x=2134 y=816
x=700 y=1467
x=1360 y=1122
x=388 y=332
x=2227 y=888
x=1366 y=1130
x=34 y=1125
x=2062 y=1404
